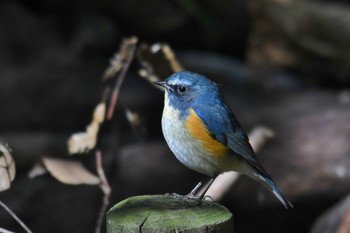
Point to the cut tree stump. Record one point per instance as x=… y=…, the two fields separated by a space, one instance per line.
x=166 y=213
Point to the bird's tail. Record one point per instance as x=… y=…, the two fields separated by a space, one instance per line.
x=268 y=182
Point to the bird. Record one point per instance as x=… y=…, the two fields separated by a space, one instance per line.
x=203 y=133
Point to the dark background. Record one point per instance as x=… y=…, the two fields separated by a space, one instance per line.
x=282 y=64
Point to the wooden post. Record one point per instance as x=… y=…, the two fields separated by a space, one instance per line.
x=166 y=213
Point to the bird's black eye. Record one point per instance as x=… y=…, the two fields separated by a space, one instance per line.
x=182 y=89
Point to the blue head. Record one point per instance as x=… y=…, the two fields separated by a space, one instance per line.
x=187 y=89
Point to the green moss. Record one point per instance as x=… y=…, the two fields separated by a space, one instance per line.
x=165 y=213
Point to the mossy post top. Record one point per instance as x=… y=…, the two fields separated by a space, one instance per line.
x=166 y=213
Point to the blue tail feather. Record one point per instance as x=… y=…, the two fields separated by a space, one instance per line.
x=268 y=182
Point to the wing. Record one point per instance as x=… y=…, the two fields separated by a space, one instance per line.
x=225 y=128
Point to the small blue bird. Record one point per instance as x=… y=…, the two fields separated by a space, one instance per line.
x=203 y=133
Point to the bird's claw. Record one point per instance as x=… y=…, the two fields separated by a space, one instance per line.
x=189 y=199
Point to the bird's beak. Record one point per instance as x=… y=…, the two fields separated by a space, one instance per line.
x=160 y=83
x=163 y=84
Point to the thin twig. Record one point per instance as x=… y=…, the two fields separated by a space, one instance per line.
x=2 y=230
x=106 y=189
x=114 y=96
x=15 y=217
x=170 y=56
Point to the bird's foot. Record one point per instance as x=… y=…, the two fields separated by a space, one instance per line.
x=191 y=196
x=209 y=200
x=198 y=200
x=175 y=195
x=189 y=199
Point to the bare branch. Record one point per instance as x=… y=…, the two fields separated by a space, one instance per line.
x=106 y=189
x=2 y=230
x=130 y=47
x=14 y=216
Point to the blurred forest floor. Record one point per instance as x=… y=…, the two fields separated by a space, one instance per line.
x=283 y=64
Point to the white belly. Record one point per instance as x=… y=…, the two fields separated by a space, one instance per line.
x=188 y=150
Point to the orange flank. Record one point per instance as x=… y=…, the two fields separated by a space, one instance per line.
x=198 y=130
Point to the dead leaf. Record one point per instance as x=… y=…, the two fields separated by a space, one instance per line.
x=7 y=167
x=133 y=118
x=83 y=142
x=99 y=113
x=69 y=172
x=37 y=170
x=158 y=61
x=135 y=123
x=120 y=57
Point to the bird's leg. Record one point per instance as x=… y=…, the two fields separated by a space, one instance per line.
x=193 y=198
x=192 y=194
x=194 y=191
x=203 y=187
x=209 y=183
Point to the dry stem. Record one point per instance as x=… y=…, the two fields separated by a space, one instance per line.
x=106 y=189
x=131 y=43
x=15 y=217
